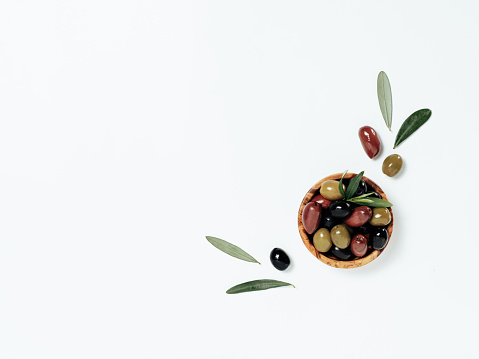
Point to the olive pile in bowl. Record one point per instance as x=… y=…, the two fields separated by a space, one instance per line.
x=345 y=233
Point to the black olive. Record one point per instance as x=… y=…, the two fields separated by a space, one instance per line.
x=340 y=209
x=364 y=229
x=327 y=221
x=379 y=238
x=343 y=254
x=375 y=195
x=362 y=188
x=279 y=259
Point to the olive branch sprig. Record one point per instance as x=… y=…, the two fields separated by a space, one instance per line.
x=363 y=199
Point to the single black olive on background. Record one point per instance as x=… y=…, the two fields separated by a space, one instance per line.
x=328 y=221
x=279 y=259
x=362 y=188
x=343 y=254
x=379 y=238
x=340 y=209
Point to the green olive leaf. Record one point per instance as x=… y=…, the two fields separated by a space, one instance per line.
x=360 y=200
x=353 y=185
x=371 y=202
x=411 y=125
x=231 y=249
x=255 y=285
x=340 y=187
x=385 y=98
x=365 y=195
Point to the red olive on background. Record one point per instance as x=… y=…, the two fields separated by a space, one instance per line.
x=311 y=217
x=370 y=141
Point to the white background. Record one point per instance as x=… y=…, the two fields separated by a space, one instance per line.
x=129 y=130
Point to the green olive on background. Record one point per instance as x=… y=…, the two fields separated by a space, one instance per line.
x=330 y=190
x=392 y=165
x=340 y=236
x=322 y=240
x=381 y=217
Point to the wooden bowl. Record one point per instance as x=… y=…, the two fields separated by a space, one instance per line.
x=326 y=257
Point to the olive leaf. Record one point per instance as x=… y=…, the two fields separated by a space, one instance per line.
x=371 y=202
x=353 y=185
x=340 y=187
x=365 y=195
x=255 y=285
x=411 y=124
x=385 y=98
x=231 y=249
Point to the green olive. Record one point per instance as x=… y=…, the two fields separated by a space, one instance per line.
x=340 y=236
x=322 y=240
x=381 y=217
x=330 y=190
x=392 y=165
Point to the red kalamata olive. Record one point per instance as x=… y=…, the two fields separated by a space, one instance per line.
x=322 y=201
x=370 y=141
x=359 y=245
x=359 y=217
x=311 y=217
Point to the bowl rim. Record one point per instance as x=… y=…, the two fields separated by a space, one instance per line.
x=309 y=245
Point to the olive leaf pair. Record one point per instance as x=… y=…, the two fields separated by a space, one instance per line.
x=363 y=199
x=237 y=252
x=411 y=124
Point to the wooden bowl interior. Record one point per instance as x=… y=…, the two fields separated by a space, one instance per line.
x=307 y=239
